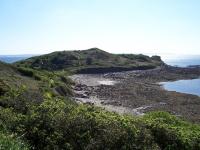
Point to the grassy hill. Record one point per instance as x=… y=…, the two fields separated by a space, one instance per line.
x=92 y=60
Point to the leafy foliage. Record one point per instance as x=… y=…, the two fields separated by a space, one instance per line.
x=60 y=124
x=173 y=133
x=55 y=124
x=11 y=141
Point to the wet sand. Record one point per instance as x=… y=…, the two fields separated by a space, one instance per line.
x=138 y=92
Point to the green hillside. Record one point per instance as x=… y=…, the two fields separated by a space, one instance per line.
x=91 y=60
x=35 y=82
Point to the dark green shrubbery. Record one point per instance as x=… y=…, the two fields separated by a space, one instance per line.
x=3 y=87
x=59 y=124
x=140 y=57
x=156 y=58
x=89 y=61
x=11 y=142
x=171 y=132
x=26 y=72
x=29 y=72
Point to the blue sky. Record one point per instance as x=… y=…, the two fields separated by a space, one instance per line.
x=118 y=26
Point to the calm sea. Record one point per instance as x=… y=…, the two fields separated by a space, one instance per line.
x=182 y=60
x=183 y=86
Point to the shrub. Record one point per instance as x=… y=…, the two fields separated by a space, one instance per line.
x=3 y=88
x=59 y=124
x=156 y=58
x=88 y=61
x=10 y=142
x=26 y=72
x=171 y=132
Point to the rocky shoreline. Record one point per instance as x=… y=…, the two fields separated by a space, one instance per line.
x=137 y=92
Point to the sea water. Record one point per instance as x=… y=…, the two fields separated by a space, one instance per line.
x=13 y=58
x=183 y=86
x=182 y=60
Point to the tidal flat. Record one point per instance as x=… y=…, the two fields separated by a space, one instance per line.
x=137 y=92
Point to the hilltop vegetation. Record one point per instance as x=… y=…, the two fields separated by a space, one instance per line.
x=36 y=110
x=91 y=60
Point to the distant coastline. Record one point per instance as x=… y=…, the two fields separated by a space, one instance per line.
x=14 y=58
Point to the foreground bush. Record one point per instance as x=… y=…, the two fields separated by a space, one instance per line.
x=10 y=142
x=171 y=132
x=59 y=124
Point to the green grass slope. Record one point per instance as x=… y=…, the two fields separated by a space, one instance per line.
x=35 y=82
x=91 y=60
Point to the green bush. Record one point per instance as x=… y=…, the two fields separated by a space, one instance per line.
x=11 y=142
x=26 y=72
x=29 y=73
x=3 y=87
x=156 y=58
x=59 y=124
x=171 y=132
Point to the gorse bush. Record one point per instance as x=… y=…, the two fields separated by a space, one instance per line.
x=173 y=133
x=59 y=124
x=55 y=124
x=10 y=141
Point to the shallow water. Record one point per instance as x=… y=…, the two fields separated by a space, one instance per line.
x=92 y=80
x=107 y=82
x=183 y=86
